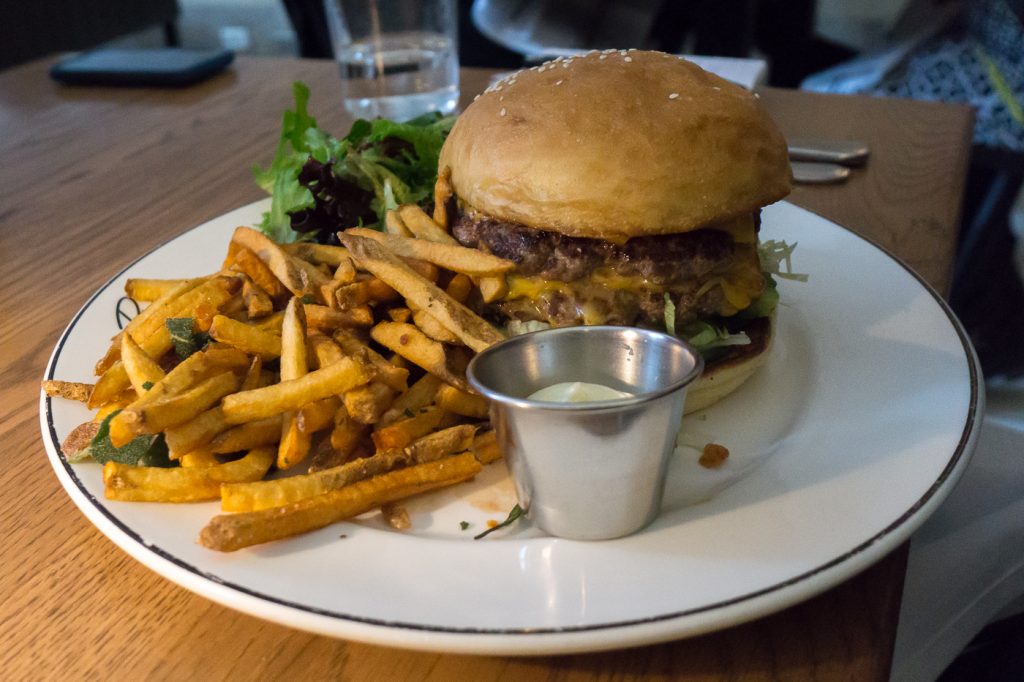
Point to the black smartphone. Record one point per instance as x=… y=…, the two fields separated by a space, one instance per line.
x=161 y=66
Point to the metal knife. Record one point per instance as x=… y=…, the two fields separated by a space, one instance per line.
x=843 y=152
x=810 y=173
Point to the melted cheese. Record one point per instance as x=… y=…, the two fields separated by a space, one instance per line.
x=741 y=284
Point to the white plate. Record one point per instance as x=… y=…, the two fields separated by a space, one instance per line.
x=842 y=445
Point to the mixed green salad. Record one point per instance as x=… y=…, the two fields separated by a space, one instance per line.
x=319 y=183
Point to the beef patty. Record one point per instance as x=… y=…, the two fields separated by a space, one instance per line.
x=665 y=260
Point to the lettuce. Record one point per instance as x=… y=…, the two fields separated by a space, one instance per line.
x=776 y=253
x=381 y=163
x=705 y=336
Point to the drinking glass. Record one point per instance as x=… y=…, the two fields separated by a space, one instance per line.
x=398 y=58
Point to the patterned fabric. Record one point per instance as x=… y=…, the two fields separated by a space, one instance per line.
x=980 y=61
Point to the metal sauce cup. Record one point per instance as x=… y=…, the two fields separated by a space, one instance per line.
x=594 y=470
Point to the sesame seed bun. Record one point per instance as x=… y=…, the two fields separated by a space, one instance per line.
x=615 y=145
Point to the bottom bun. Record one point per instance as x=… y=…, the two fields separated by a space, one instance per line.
x=722 y=377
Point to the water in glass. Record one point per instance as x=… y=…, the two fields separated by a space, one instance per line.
x=400 y=75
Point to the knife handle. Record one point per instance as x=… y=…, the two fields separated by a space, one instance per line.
x=818 y=173
x=843 y=152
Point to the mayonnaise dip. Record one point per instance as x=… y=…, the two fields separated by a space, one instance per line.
x=577 y=392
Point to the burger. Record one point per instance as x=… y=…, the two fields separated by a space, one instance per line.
x=626 y=186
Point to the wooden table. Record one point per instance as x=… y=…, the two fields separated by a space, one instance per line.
x=91 y=178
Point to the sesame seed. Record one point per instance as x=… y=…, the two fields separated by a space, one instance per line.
x=558 y=82
x=632 y=49
x=716 y=88
x=674 y=95
x=604 y=56
x=476 y=97
x=628 y=59
x=503 y=111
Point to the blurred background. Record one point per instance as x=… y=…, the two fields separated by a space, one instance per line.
x=941 y=50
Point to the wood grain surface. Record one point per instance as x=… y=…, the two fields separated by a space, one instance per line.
x=91 y=178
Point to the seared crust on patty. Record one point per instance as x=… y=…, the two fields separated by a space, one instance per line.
x=665 y=260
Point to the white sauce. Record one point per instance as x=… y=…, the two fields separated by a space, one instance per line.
x=577 y=392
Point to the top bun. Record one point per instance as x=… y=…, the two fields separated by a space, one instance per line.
x=614 y=145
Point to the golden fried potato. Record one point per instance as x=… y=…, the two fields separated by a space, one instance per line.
x=246 y=337
x=473 y=330
x=243 y=497
x=421 y=225
x=418 y=348
x=453 y=400
x=295 y=444
x=485 y=446
x=394 y=224
x=173 y=410
x=231 y=532
x=456 y=258
x=298 y=276
x=142 y=370
x=148 y=290
x=443 y=192
x=416 y=398
x=183 y=484
x=247 y=262
x=69 y=390
x=277 y=399
x=367 y=403
x=321 y=254
x=441 y=443
x=323 y=318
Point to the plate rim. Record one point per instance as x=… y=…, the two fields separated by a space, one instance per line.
x=518 y=640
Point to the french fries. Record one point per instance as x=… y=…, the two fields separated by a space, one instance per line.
x=141 y=369
x=368 y=403
x=404 y=431
x=443 y=192
x=454 y=257
x=259 y=495
x=298 y=276
x=485 y=447
x=196 y=368
x=193 y=434
x=148 y=290
x=69 y=390
x=342 y=368
x=269 y=401
x=452 y=399
x=258 y=272
x=421 y=225
x=320 y=254
x=394 y=225
x=294 y=443
x=471 y=329
x=157 y=416
x=257 y=301
x=418 y=348
x=185 y=484
x=231 y=532
x=245 y=337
